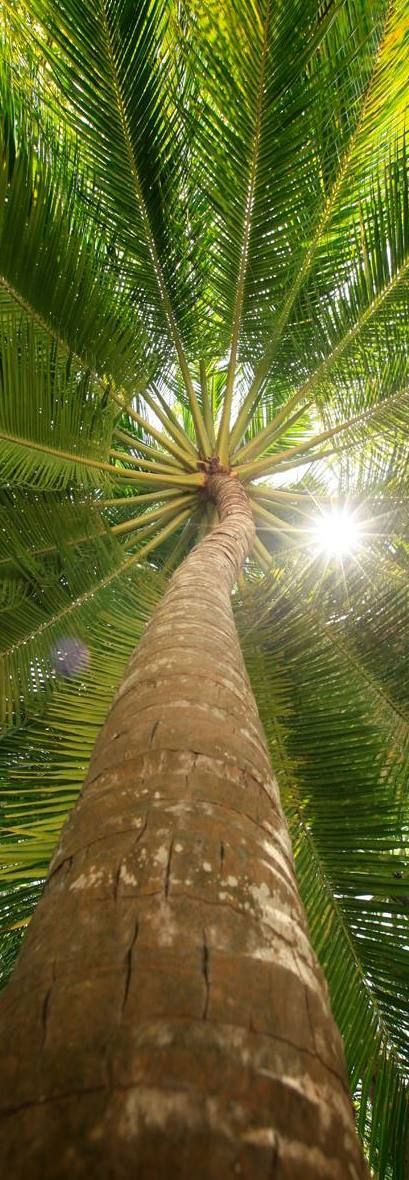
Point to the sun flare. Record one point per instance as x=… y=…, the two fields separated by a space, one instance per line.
x=337 y=533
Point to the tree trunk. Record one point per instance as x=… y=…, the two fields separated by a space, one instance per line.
x=167 y=1018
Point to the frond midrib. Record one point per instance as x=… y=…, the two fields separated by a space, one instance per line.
x=222 y=441
x=149 y=236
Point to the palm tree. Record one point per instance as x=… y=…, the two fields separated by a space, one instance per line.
x=204 y=246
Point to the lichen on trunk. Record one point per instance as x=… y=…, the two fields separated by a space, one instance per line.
x=167 y=1017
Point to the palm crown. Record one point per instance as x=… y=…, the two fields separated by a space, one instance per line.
x=204 y=246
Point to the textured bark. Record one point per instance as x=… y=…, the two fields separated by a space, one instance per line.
x=167 y=1019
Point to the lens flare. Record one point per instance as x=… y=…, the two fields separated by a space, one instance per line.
x=70 y=657
x=337 y=533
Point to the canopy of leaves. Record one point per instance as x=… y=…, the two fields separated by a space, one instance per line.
x=204 y=251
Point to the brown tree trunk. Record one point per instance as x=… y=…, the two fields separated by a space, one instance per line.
x=167 y=1019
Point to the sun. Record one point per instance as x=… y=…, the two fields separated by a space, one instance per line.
x=337 y=533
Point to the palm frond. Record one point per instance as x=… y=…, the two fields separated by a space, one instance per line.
x=356 y=98
x=69 y=562
x=57 y=552
x=117 y=69
x=55 y=424
x=351 y=324
x=61 y=269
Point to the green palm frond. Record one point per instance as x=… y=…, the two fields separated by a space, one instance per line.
x=374 y=637
x=352 y=322
x=75 y=564
x=347 y=144
x=265 y=75
x=55 y=425
x=117 y=69
x=55 y=263
x=51 y=577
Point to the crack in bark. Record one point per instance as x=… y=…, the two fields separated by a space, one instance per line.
x=274 y=1159
x=139 y=836
x=116 y=880
x=44 y=1015
x=66 y=862
x=316 y=1053
x=122 y=1087
x=168 y=866
x=221 y=858
x=189 y=674
x=250 y=917
x=252 y=735
x=114 y=736
x=242 y=814
x=142 y=830
x=154 y=728
x=46 y=1098
x=205 y=973
x=128 y=966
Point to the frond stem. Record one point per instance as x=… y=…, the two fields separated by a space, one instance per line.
x=147 y=518
x=136 y=444
x=144 y=498
x=162 y=439
x=269 y=435
x=150 y=240
x=169 y=420
x=275 y=523
x=207 y=407
x=164 y=533
x=223 y=433
x=263 y=556
x=282 y=416
x=143 y=464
